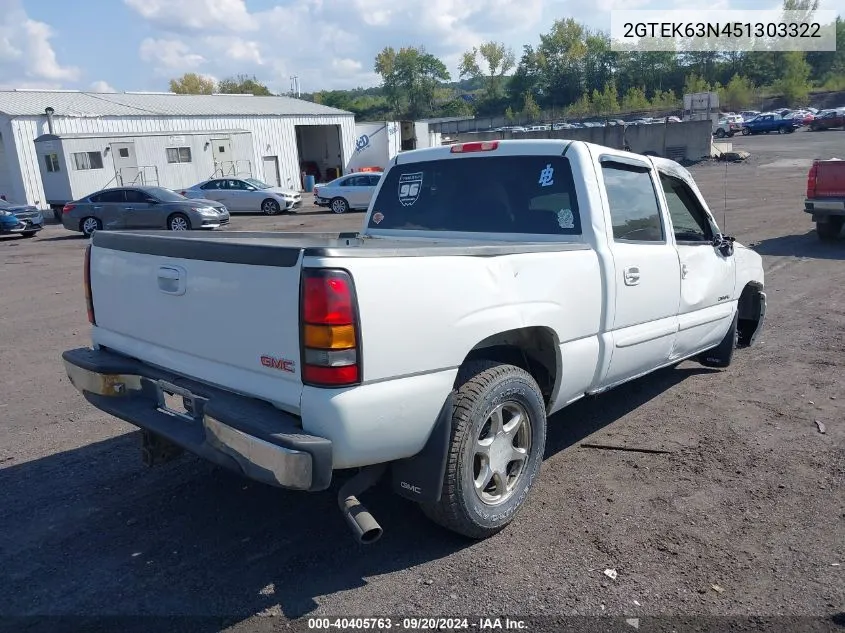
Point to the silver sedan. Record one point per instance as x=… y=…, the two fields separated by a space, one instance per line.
x=246 y=195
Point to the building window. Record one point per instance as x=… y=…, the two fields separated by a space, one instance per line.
x=123 y=152
x=52 y=161
x=88 y=160
x=178 y=154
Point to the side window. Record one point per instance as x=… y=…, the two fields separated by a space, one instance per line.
x=689 y=220
x=374 y=180
x=634 y=211
x=349 y=182
x=212 y=184
x=115 y=195
x=133 y=195
x=236 y=185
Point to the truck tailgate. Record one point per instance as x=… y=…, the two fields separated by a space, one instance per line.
x=830 y=179
x=225 y=316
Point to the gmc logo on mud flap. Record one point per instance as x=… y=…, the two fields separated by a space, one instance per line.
x=415 y=489
x=278 y=363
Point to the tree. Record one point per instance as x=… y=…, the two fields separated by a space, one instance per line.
x=635 y=100
x=409 y=79
x=606 y=101
x=497 y=59
x=738 y=94
x=510 y=115
x=192 y=84
x=694 y=83
x=794 y=84
x=530 y=109
x=243 y=84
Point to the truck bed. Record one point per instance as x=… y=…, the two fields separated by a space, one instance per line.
x=268 y=248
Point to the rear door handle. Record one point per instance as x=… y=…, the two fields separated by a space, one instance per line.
x=171 y=279
x=631 y=275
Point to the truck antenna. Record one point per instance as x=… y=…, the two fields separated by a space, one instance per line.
x=725 y=212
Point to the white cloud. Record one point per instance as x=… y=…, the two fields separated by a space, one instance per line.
x=101 y=86
x=237 y=49
x=169 y=55
x=27 y=57
x=196 y=15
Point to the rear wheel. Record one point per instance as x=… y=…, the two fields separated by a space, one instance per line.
x=178 y=222
x=829 y=229
x=720 y=133
x=746 y=131
x=89 y=225
x=496 y=448
x=783 y=130
x=29 y=233
x=339 y=205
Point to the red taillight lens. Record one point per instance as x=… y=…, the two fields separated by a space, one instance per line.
x=481 y=146
x=811 y=180
x=89 y=298
x=329 y=329
x=68 y=208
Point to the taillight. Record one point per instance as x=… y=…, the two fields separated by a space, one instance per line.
x=480 y=146
x=184 y=194
x=812 y=178
x=331 y=354
x=68 y=208
x=89 y=298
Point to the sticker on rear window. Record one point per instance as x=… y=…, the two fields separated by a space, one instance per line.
x=565 y=219
x=378 y=217
x=409 y=188
x=547 y=176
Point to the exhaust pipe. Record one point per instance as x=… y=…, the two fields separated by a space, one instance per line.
x=365 y=528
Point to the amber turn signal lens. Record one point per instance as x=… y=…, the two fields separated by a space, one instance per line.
x=330 y=336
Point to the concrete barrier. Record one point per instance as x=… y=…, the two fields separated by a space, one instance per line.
x=689 y=140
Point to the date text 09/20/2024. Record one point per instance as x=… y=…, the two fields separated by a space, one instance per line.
x=417 y=624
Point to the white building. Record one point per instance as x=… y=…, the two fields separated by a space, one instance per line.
x=102 y=140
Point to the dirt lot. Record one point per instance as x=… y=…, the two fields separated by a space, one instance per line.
x=750 y=498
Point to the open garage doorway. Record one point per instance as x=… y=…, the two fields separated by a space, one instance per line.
x=320 y=151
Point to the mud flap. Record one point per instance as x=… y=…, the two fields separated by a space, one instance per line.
x=420 y=478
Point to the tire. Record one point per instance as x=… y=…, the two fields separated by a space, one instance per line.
x=484 y=388
x=270 y=207
x=339 y=205
x=746 y=131
x=783 y=130
x=178 y=222
x=720 y=133
x=829 y=231
x=89 y=225
x=722 y=354
x=29 y=233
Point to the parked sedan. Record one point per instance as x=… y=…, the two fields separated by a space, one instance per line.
x=246 y=195
x=828 y=119
x=141 y=208
x=28 y=219
x=347 y=192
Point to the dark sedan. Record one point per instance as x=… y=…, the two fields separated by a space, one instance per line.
x=828 y=120
x=142 y=208
x=20 y=219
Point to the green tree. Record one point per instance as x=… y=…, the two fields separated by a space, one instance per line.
x=665 y=100
x=510 y=115
x=794 y=84
x=582 y=107
x=192 y=84
x=738 y=94
x=694 y=83
x=606 y=101
x=243 y=84
x=409 y=79
x=635 y=100
x=530 y=109
x=496 y=61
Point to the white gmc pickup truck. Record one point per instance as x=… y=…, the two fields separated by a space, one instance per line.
x=493 y=284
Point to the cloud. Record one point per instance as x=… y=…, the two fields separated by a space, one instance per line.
x=196 y=15
x=27 y=57
x=169 y=55
x=237 y=49
x=101 y=86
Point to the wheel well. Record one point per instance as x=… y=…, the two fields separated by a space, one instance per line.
x=270 y=200
x=534 y=349
x=750 y=309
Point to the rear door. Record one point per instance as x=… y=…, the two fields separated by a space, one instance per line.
x=646 y=267
x=707 y=276
x=108 y=206
x=213 y=190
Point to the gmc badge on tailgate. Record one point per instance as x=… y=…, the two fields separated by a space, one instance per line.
x=279 y=363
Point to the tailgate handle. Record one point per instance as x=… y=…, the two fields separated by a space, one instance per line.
x=171 y=279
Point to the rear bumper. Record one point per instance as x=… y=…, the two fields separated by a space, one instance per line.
x=239 y=433
x=823 y=207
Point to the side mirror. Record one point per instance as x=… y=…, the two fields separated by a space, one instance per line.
x=250 y=188
x=724 y=244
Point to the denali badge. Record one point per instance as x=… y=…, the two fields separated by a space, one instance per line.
x=278 y=363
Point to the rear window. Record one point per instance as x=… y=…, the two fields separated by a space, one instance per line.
x=490 y=194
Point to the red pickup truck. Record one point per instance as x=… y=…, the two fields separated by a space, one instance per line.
x=826 y=197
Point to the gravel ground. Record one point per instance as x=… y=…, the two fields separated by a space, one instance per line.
x=744 y=516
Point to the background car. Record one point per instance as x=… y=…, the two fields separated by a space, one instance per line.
x=770 y=122
x=347 y=192
x=141 y=208
x=29 y=215
x=727 y=126
x=246 y=195
x=828 y=119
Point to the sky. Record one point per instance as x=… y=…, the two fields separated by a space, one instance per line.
x=127 y=45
